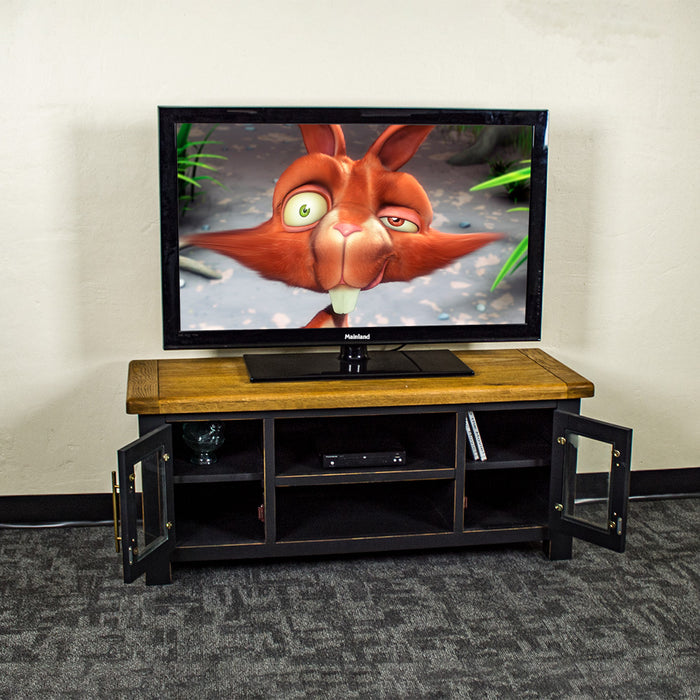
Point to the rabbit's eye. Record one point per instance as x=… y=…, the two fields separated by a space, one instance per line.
x=304 y=209
x=400 y=219
x=399 y=224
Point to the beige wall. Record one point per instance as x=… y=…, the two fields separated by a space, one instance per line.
x=79 y=288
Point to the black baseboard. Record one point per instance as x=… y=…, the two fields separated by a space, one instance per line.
x=94 y=508
x=665 y=483
x=83 y=508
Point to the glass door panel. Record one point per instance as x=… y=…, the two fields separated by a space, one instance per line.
x=587 y=479
x=149 y=494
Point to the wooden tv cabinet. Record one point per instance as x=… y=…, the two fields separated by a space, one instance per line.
x=549 y=474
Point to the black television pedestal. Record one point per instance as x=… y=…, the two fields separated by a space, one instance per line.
x=269 y=494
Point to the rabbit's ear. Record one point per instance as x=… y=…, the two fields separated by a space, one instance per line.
x=323 y=138
x=397 y=144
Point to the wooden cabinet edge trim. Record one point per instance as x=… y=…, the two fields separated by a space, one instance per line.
x=578 y=387
x=143 y=387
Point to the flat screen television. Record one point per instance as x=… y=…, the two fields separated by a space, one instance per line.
x=353 y=228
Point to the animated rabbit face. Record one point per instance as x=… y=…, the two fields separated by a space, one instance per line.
x=343 y=226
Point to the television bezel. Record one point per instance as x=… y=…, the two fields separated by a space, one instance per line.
x=175 y=338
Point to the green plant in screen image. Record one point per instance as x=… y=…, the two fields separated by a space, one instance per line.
x=191 y=160
x=509 y=179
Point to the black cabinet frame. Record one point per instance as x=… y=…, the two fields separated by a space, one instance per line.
x=269 y=494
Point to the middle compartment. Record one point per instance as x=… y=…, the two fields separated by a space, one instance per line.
x=365 y=475
x=378 y=447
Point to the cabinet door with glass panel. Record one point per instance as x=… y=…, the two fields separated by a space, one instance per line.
x=143 y=506
x=590 y=479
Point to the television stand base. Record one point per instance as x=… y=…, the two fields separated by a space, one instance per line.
x=354 y=362
x=271 y=494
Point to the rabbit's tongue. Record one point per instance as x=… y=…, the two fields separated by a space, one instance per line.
x=344 y=298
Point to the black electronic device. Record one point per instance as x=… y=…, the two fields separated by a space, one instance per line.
x=353 y=460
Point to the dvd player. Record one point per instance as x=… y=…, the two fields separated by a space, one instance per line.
x=380 y=458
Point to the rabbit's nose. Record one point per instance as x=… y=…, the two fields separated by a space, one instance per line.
x=347 y=229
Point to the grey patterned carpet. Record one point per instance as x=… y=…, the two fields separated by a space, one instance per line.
x=480 y=623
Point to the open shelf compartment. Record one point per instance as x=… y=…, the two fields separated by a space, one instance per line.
x=364 y=510
x=506 y=497
x=428 y=440
x=513 y=438
x=219 y=514
x=240 y=457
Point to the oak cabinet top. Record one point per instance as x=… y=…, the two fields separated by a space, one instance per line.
x=221 y=384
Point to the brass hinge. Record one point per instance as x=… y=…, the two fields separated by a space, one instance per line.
x=261 y=513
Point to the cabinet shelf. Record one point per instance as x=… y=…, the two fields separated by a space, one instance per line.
x=221 y=471
x=364 y=510
x=222 y=530
x=411 y=472
x=513 y=460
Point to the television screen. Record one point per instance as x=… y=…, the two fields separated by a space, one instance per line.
x=296 y=226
